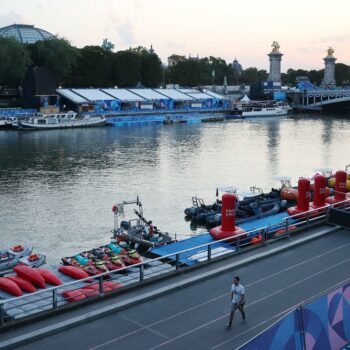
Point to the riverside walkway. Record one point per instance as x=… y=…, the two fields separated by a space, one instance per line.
x=190 y=310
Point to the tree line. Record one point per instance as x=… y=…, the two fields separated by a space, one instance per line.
x=99 y=66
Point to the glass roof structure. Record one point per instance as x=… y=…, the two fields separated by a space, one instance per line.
x=24 y=33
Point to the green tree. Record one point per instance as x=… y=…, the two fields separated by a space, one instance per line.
x=93 y=68
x=250 y=75
x=151 y=70
x=221 y=69
x=316 y=76
x=187 y=71
x=342 y=74
x=14 y=62
x=126 y=70
x=55 y=54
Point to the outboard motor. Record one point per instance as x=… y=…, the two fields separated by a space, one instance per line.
x=125 y=225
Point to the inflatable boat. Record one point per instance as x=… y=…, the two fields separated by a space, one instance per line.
x=10 y=258
x=139 y=233
x=250 y=205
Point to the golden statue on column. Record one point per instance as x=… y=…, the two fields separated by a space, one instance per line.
x=275 y=46
x=330 y=51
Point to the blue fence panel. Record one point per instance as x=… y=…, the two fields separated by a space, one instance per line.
x=326 y=321
x=283 y=335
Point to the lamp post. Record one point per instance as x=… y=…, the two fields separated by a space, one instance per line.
x=163 y=69
x=213 y=75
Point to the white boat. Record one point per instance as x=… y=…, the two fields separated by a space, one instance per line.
x=60 y=121
x=264 y=109
x=249 y=108
x=7 y=122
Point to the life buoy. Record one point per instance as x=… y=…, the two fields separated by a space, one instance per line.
x=33 y=257
x=18 y=248
x=256 y=240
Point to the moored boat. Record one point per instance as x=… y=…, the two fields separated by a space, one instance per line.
x=60 y=121
x=10 y=258
x=248 y=108
x=139 y=233
x=251 y=205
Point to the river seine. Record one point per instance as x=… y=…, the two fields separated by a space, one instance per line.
x=58 y=186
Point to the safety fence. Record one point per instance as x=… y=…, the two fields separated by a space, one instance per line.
x=100 y=285
x=323 y=324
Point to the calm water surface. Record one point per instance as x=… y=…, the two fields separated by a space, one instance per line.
x=58 y=187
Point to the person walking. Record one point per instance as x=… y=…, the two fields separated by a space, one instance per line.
x=237 y=297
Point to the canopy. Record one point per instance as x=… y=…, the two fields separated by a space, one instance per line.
x=245 y=98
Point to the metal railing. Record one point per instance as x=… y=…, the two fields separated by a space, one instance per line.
x=51 y=298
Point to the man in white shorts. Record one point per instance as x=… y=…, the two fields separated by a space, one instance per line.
x=237 y=296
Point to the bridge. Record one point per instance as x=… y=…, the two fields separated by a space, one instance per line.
x=307 y=97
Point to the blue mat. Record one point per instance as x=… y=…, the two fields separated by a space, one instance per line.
x=273 y=222
x=186 y=258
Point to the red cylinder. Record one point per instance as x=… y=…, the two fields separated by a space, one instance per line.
x=340 y=185
x=319 y=191
x=228 y=212
x=303 y=194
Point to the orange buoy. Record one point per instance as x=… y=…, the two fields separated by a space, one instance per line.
x=290 y=194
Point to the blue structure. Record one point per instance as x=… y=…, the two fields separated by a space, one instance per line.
x=141 y=105
x=321 y=324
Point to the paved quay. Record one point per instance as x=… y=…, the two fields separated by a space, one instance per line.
x=190 y=310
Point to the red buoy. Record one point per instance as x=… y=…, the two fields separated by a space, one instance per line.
x=228 y=219
x=228 y=212
x=340 y=188
x=319 y=192
x=303 y=198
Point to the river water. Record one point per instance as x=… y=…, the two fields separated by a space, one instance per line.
x=58 y=186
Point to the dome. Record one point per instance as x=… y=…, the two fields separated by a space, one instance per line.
x=25 y=33
x=237 y=66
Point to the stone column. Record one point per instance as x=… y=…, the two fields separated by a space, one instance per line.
x=329 y=69
x=275 y=63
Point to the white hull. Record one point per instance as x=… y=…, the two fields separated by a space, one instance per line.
x=26 y=125
x=266 y=112
x=61 y=121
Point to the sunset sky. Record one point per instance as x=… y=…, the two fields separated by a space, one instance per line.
x=221 y=28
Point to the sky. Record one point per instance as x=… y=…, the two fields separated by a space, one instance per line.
x=242 y=29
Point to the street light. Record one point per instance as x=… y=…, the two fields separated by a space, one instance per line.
x=213 y=75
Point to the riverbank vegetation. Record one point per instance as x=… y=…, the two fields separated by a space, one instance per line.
x=99 y=66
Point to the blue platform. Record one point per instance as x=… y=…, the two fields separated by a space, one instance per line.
x=272 y=222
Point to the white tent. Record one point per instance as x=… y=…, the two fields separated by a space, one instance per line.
x=245 y=99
